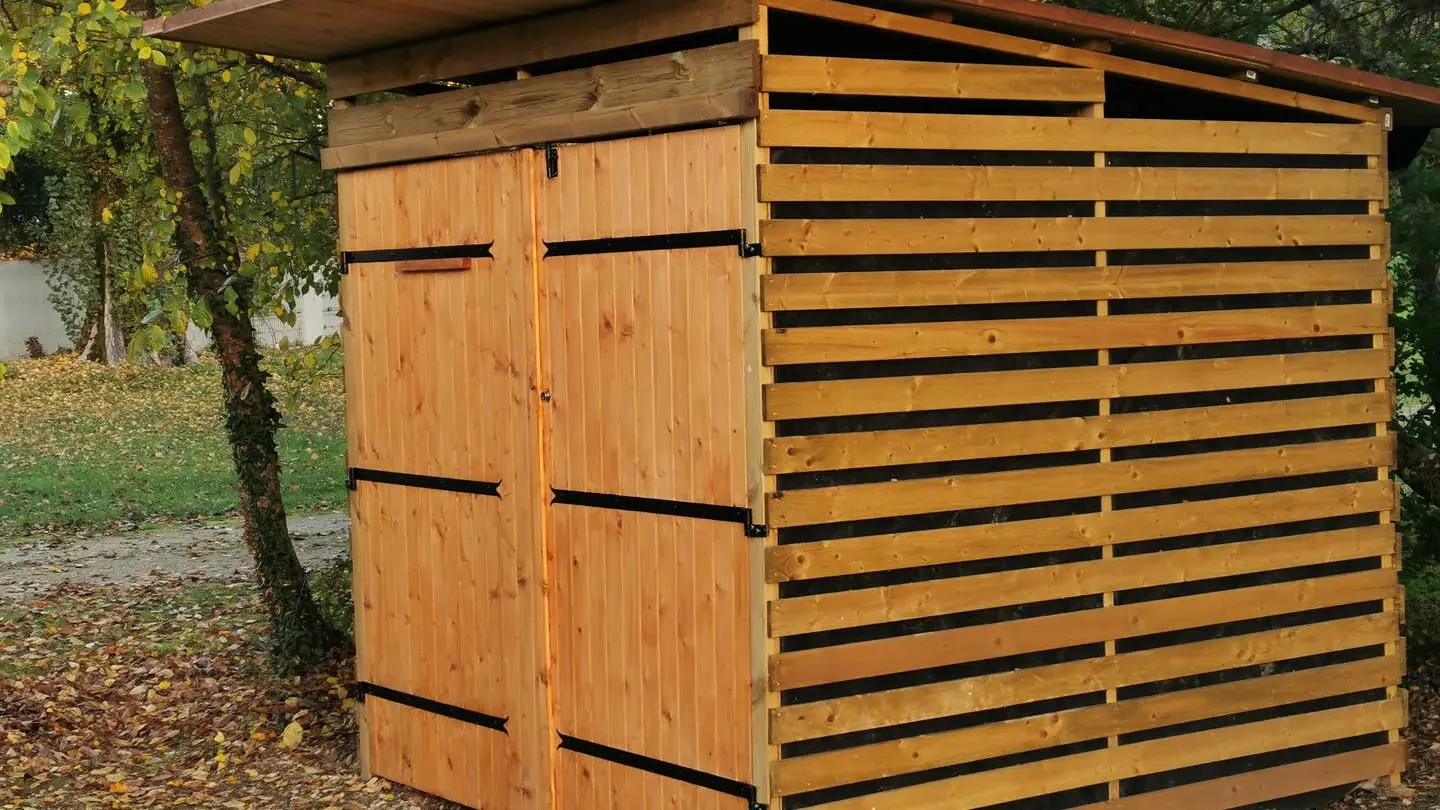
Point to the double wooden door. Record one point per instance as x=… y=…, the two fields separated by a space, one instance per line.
x=546 y=424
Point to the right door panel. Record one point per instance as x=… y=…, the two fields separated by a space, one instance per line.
x=643 y=348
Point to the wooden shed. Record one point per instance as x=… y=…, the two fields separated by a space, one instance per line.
x=914 y=405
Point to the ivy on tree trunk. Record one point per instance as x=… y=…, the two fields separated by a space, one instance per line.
x=302 y=635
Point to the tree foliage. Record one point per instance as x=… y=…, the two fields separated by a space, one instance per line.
x=216 y=157
x=75 y=100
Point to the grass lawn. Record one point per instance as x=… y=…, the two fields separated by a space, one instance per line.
x=84 y=447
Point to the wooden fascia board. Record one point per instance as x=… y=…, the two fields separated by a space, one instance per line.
x=705 y=85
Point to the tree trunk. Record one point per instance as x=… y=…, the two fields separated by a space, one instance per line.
x=83 y=353
x=301 y=633
x=111 y=341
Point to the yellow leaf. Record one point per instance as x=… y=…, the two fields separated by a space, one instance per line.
x=249 y=136
x=225 y=77
x=118 y=787
x=82 y=9
x=162 y=685
x=219 y=736
x=149 y=273
x=144 y=51
x=292 y=735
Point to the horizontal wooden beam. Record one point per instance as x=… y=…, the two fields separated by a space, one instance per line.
x=887 y=130
x=908 y=341
x=576 y=33
x=860 y=237
x=935 y=392
x=808 y=507
x=840 y=183
x=718 y=83
x=919 y=288
x=987 y=541
x=893 y=77
x=912 y=704
x=891 y=448
x=1077 y=57
x=1269 y=784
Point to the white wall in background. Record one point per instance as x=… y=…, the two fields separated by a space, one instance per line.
x=316 y=316
x=25 y=311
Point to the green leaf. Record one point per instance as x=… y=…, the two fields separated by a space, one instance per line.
x=200 y=314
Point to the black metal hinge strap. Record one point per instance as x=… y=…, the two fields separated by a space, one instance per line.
x=411 y=254
x=469 y=487
x=470 y=716
x=659 y=767
x=552 y=161
x=657 y=506
x=641 y=244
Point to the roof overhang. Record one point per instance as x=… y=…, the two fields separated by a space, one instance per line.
x=326 y=30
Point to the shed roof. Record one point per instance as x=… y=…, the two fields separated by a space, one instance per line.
x=326 y=30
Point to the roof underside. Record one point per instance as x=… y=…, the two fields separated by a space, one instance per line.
x=326 y=30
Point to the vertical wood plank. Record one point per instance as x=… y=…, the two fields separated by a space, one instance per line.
x=1381 y=252
x=758 y=430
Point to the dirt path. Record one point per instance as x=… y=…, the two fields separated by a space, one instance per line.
x=216 y=552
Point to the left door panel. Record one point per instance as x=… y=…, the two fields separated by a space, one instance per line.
x=440 y=348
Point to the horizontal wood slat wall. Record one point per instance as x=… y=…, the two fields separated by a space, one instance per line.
x=1077 y=477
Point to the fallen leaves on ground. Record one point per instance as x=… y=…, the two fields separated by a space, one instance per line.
x=158 y=696
x=1421 y=787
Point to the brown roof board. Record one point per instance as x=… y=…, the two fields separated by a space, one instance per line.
x=326 y=30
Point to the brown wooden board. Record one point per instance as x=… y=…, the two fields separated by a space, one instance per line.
x=705 y=85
